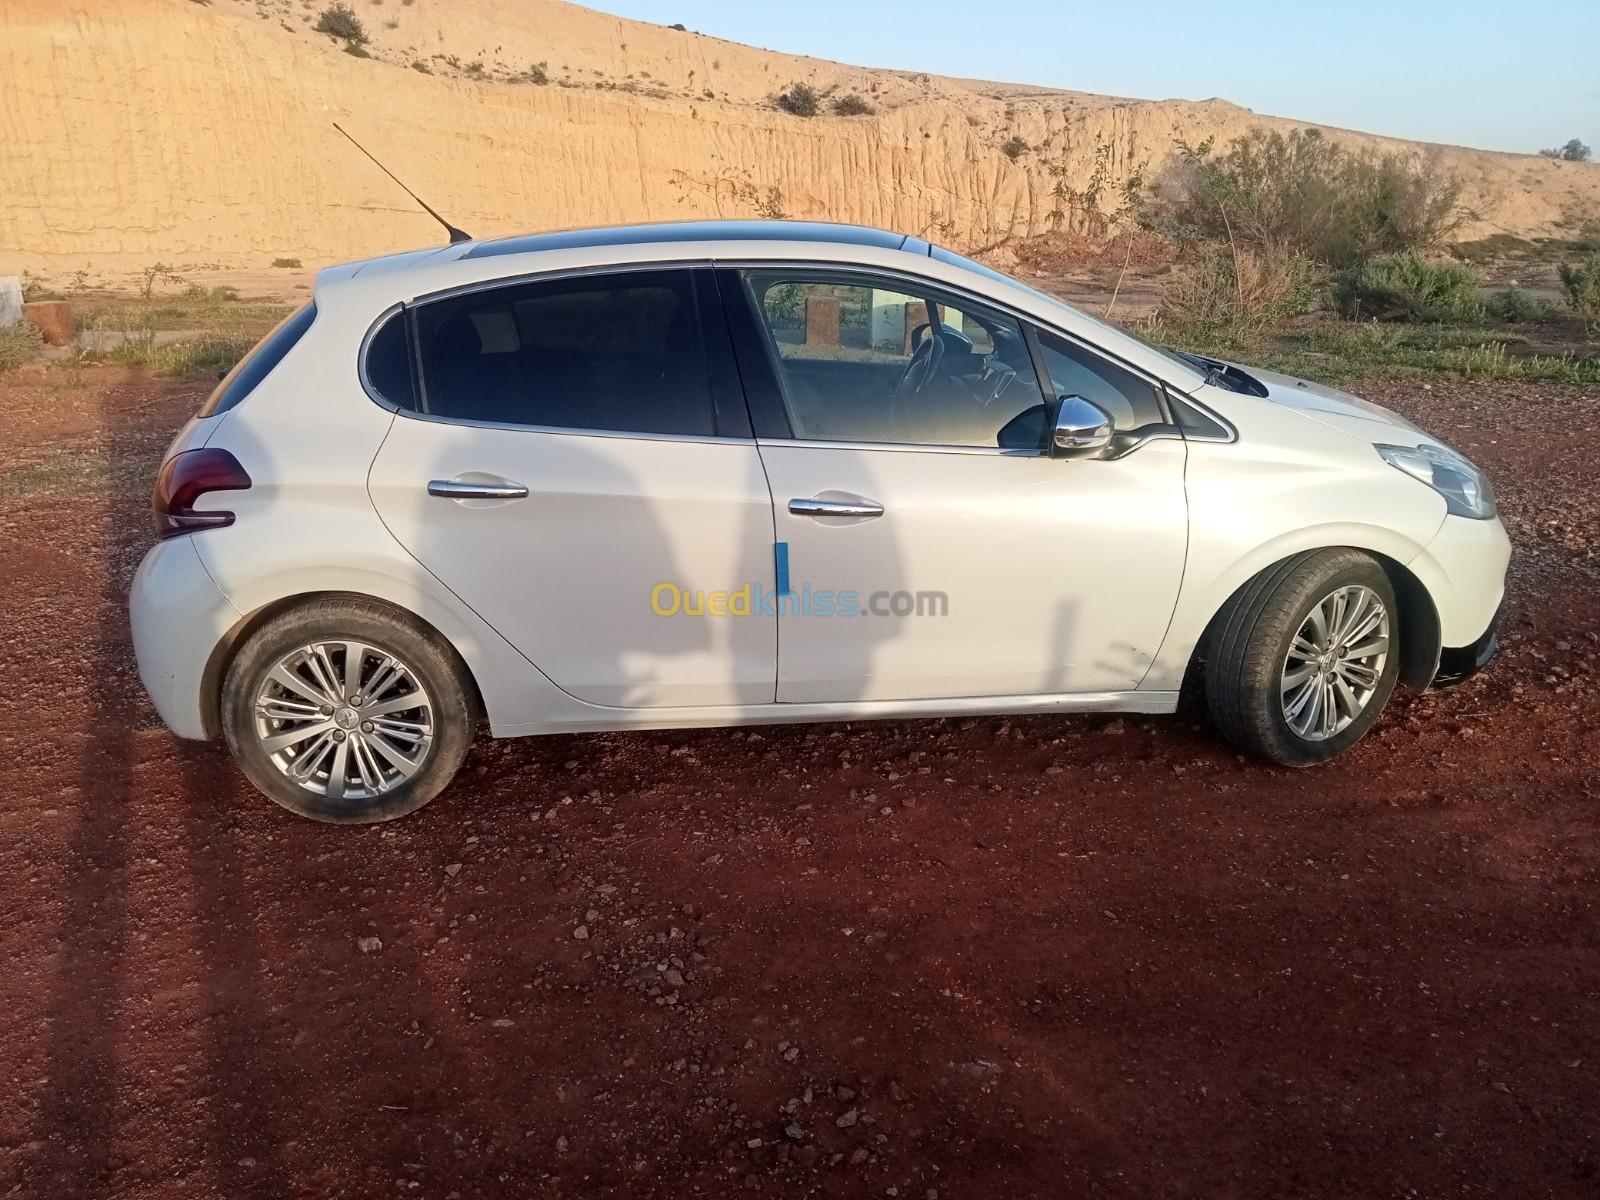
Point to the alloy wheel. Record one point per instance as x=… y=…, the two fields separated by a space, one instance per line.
x=1335 y=663
x=344 y=719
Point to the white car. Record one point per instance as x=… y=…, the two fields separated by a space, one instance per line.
x=709 y=474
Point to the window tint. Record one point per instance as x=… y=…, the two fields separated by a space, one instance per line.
x=1075 y=371
x=864 y=361
x=248 y=373
x=389 y=363
x=616 y=352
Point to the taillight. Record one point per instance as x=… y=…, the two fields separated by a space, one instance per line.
x=184 y=478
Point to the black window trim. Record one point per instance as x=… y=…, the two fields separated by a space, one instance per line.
x=723 y=382
x=751 y=370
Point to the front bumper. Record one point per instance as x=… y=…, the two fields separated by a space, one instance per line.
x=1457 y=664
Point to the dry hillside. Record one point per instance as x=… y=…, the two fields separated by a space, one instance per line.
x=200 y=131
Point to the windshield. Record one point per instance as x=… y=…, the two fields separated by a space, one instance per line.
x=1187 y=362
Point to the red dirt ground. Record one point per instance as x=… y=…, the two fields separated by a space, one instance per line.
x=1000 y=957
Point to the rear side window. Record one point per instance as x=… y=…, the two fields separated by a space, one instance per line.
x=389 y=363
x=250 y=370
x=619 y=353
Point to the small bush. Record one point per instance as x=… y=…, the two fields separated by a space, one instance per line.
x=418 y=65
x=338 y=21
x=18 y=343
x=852 y=105
x=1409 y=287
x=1014 y=148
x=1221 y=289
x=1514 y=306
x=288 y=263
x=538 y=73
x=801 y=100
x=356 y=50
x=1581 y=282
x=208 y=357
x=1573 y=151
x=679 y=26
x=1299 y=191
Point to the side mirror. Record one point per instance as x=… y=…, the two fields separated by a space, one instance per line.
x=1083 y=429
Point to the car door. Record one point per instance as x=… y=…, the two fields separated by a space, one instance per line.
x=932 y=547
x=569 y=455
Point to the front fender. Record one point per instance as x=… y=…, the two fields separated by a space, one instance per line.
x=1207 y=586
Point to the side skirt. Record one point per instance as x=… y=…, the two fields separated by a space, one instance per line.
x=596 y=719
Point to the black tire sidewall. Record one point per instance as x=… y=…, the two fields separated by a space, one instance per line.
x=1303 y=750
x=334 y=620
x=1243 y=680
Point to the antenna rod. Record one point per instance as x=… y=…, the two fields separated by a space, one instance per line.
x=456 y=235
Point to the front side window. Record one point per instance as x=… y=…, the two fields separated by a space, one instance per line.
x=617 y=353
x=1129 y=399
x=863 y=360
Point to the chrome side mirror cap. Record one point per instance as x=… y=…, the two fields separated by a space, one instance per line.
x=1083 y=429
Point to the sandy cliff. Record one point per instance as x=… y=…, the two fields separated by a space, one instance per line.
x=133 y=131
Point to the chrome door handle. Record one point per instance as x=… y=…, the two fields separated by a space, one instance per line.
x=466 y=489
x=835 y=508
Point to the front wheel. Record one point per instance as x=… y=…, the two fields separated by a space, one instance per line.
x=1305 y=657
x=344 y=711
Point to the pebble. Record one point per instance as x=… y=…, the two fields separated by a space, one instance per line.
x=369 y=945
x=581 y=933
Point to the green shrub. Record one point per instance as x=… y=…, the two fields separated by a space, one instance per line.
x=801 y=100
x=1301 y=192
x=1408 y=287
x=286 y=262
x=1014 y=147
x=338 y=21
x=1515 y=306
x=210 y=356
x=18 y=343
x=1581 y=281
x=852 y=105
x=1224 y=289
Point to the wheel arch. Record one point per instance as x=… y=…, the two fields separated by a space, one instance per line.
x=222 y=655
x=1420 y=644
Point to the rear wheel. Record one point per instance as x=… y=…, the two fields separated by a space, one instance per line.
x=1305 y=657
x=344 y=711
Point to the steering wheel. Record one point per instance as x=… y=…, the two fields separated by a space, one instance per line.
x=922 y=370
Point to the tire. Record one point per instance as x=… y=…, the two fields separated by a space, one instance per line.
x=407 y=754
x=1251 y=678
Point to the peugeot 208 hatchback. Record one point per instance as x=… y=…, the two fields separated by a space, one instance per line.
x=724 y=473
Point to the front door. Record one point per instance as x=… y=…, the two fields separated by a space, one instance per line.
x=933 y=549
x=582 y=457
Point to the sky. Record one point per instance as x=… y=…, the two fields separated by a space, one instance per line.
x=1502 y=76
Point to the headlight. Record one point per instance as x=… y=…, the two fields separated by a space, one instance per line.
x=1466 y=490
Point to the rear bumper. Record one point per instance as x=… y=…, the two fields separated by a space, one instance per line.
x=1460 y=663
x=179 y=617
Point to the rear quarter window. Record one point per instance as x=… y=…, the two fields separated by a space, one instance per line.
x=254 y=367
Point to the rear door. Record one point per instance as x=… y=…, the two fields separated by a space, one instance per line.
x=575 y=462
